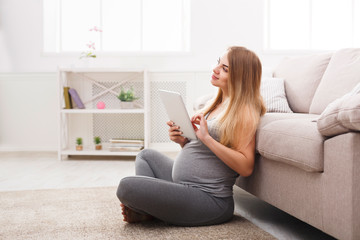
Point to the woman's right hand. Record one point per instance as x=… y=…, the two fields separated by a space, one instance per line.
x=175 y=134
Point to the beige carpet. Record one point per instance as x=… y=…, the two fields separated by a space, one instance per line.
x=94 y=213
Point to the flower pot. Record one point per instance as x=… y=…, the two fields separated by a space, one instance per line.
x=98 y=147
x=87 y=62
x=79 y=148
x=126 y=105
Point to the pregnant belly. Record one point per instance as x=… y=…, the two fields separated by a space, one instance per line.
x=196 y=166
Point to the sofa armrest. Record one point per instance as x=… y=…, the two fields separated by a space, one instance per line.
x=341 y=185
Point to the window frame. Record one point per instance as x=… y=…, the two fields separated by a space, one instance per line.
x=266 y=33
x=186 y=37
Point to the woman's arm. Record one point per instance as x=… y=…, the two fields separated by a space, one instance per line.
x=241 y=161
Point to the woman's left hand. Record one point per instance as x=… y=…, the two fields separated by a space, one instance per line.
x=202 y=131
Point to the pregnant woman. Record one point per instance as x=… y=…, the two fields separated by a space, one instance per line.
x=196 y=188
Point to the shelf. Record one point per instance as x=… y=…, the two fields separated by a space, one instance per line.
x=95 y=85
x=134 y=110
x=88 y=152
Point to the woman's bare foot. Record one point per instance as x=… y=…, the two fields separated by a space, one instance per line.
x=133 y=217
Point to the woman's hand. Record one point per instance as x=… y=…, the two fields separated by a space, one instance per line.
x=175 y=134
x=201 y=132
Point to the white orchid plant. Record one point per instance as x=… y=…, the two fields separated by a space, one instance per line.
x=90 y=53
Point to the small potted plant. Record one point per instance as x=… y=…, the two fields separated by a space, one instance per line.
x=97 y=141
x=127 y=97
x=79 y=144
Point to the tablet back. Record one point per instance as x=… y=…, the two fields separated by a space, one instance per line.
x=177 y=112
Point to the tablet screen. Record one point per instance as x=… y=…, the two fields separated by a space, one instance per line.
x=177 y=112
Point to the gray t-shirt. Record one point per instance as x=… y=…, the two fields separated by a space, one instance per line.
x=197 y=166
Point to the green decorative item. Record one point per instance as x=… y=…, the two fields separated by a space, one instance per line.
x=127 y=96
x=79 y=143
x=97 y=141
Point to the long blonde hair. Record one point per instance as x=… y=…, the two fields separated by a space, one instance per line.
x=245 y=106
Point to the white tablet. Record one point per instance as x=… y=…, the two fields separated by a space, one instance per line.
x=177 y=112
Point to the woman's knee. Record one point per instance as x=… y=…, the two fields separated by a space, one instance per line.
x=145 y=154
x=125 y=188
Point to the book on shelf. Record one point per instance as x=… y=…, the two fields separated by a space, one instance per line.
x=127 y=141
x=67 y=98
x=118 y=144
x=75 y=96
x=125 y=149
x=126 y=145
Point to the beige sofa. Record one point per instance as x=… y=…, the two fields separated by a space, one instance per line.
x=311 y=174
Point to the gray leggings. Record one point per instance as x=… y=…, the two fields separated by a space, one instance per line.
x=153 y=192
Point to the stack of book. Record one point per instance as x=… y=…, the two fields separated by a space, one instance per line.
x=71 y=96
x=119 y=145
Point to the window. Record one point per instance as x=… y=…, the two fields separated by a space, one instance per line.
x=312 y=24
x=126 y=26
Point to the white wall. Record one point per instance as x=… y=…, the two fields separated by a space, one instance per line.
x=28 y=118
x=28 y=111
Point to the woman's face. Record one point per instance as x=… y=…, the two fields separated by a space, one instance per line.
x=221 y=73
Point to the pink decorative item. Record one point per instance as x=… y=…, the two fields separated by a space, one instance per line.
x=100 y=105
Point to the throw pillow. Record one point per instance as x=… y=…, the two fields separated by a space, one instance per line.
x=349 y=116
x=342 y=115
x=273 y=93
x=272 y=90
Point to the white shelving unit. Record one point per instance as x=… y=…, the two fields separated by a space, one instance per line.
x=102 y=84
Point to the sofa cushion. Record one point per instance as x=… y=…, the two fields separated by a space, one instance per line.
x=342 y=74
x=201 y=102
x=302 y=76
x=349 y=114
x=273 y=92
x=295 y=142
x=271 y=117
x=342 y=115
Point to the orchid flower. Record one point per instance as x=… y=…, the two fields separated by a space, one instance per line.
x=91 y=45
x=96 y=29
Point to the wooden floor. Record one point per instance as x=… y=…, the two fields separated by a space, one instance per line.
x=25 y=170
x=42 y=170
x=31 y=170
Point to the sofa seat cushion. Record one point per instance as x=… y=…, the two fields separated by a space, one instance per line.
x=295 y=142
x=271 y=117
